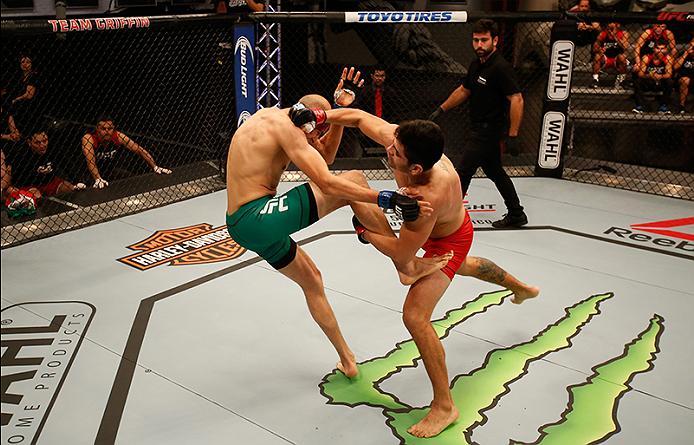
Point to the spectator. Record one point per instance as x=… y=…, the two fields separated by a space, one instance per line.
x=587 y=32
x=32 y=170
x=645 y=45
x=24 y=95
x=610 y=52
x=684 y=66
x=377 y=99
x=655 y=74
x=239 y=6
x=100 y=148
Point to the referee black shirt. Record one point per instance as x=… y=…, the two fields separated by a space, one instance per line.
x=489 y=83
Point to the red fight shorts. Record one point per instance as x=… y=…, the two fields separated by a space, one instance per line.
x=609 y=62
x=459 y=242
x=51 y=188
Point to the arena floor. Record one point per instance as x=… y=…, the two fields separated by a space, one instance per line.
x=155 y=329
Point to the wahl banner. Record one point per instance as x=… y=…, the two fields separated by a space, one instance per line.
x=198 y=244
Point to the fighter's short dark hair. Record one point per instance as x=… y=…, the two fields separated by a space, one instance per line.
x=422 y=140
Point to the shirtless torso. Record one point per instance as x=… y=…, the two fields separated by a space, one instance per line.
x=256 y=159
x=444 y=192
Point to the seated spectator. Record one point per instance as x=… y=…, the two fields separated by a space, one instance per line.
x=645 y=45
x=23 y=95
x=655 y=74
x=101 y=146
x=684 y=67
x=32 y=170
x=587 y=32
x=609 y=51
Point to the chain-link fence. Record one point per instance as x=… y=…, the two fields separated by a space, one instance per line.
x=123 y=101
x=135 y=110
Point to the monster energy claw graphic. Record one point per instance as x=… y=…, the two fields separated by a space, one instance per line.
x=481 y=389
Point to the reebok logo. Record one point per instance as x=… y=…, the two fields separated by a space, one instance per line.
x=670 y=229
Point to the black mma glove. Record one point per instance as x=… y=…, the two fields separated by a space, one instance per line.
x=349 y=87
x=512 y=147
x=404 y=206
x=360 y=229
x=436 y=114
x=306 y=118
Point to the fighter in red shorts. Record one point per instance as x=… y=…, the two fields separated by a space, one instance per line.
x=610 y=52
x=415 y=153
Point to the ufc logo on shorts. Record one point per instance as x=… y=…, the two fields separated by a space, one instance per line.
x=275 y=203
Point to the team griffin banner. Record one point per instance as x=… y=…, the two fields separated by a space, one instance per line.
x=244 y=71
x=556 y=100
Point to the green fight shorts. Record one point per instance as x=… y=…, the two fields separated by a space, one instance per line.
x=264 y=225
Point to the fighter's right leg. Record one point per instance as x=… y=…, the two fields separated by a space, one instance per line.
x=372 y=217
x=304 y=272
x=485 y=270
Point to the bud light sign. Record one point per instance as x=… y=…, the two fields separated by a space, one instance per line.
x=244 y=71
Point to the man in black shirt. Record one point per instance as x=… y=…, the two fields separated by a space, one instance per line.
x=31 y=168
x=490 y=85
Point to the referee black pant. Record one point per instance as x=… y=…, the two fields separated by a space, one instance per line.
x=484 y=150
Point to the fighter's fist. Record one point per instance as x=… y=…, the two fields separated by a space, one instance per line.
x=306 y=118
x=405 y=207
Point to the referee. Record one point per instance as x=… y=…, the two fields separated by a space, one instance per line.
x=490 y=85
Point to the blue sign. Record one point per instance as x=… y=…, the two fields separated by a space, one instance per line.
x=244 y=71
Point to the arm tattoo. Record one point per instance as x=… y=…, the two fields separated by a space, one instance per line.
x=489 y=271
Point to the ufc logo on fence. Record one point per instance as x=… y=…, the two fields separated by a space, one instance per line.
x=275 y=203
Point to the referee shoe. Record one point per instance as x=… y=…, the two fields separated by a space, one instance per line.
x=509 y=220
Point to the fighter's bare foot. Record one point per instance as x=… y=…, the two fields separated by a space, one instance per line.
x=434 y=422
x=420 y=267
x=348 y=367
x=529 y=292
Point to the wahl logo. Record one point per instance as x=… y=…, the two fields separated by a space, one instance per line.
x=667 y=228
x=37 y=352
x=198 y=244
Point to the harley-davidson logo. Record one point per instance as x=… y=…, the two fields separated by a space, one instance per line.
x=198 y=244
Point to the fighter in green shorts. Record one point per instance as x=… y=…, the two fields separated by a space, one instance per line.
x=264 y=225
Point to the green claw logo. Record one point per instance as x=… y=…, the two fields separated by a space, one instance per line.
x=591 y=413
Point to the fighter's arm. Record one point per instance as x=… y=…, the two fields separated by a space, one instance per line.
x=293 y=142
x=372 y=126
x=88 y=144
x=349 y=84
x=671 y=42
x=624 y=42
x=329 y=143
x=137 y=149
x=639 y=44
x=402 y=249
